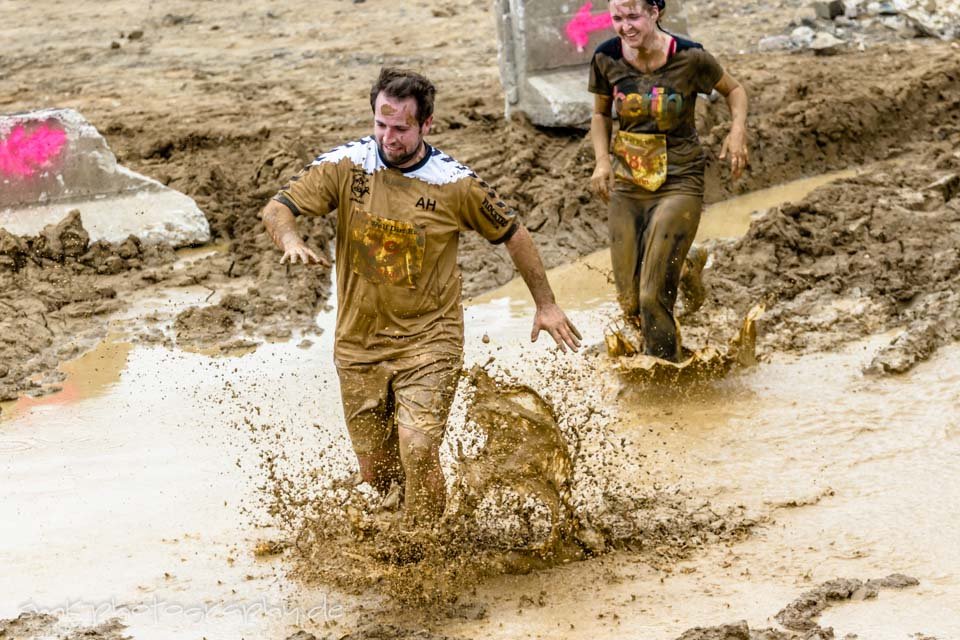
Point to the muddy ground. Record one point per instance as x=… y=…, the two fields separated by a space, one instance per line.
x=223 y=103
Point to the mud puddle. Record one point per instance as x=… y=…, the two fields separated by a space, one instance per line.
x=731 y=218
x=840 y=466
x=157 y=522
x=130 y=504
x=133 y=496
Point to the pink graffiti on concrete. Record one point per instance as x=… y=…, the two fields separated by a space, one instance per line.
x=22 y=154
x=583 y=24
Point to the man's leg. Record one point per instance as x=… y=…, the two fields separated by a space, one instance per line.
x=369 y=411
x=666 y=241
x=383 y=468
x=424 y=390
x=425 y=493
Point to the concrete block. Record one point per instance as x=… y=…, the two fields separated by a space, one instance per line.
x=825 y=44
x=54 y=161
x=829 y=10
x=545 y=47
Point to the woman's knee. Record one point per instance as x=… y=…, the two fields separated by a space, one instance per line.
x=649 y=300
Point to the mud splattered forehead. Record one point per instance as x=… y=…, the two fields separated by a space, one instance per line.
x=406 y=110
x=634 y=5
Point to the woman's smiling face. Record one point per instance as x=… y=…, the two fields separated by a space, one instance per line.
x=633 y=20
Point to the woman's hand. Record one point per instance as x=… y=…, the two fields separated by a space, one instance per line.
x=600 y=180
x=735 y=144
x=735 y=148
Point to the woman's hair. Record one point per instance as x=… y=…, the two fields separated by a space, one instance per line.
x=661 y=5
x=400 y=84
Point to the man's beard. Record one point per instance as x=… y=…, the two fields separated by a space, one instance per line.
x=402 y=160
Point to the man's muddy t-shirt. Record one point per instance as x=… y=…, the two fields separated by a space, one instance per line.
x=663 y=101
x=398 y=281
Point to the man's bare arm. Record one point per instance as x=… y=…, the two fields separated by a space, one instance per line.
x=549 y=316
x=282 y=227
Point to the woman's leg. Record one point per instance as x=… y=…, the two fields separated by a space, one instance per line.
x=665 y=242
x=625 y=222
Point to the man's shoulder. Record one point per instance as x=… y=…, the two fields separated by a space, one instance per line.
x=443 y=169
x=361 y=152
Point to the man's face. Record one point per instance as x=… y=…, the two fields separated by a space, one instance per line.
x=397 y=130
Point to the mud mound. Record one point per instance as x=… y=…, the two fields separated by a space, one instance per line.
x=865 y=255
x=68 y=242
x=55 y=290
x=28 y=626
x=205 y=325
x=800 y=616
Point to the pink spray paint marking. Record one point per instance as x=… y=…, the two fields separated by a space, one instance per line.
x=22 y=154
x=583 y=24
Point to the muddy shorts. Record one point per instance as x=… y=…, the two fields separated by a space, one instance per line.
x=413 y=392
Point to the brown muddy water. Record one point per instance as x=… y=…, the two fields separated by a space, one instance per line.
x=134 y=492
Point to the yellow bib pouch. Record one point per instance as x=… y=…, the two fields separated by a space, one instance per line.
x=641 y=159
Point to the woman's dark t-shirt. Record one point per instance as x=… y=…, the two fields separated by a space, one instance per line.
x=663 y=101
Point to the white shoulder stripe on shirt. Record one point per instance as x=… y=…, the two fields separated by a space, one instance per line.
x=439 y=169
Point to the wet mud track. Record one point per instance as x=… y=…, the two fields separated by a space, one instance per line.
x=225 y=105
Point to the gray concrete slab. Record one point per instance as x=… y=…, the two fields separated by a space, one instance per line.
x=545 y=47
x=54 y=161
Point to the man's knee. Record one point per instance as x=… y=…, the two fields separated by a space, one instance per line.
x=418 y=449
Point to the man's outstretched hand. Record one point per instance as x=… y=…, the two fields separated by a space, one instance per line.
x=295 y=250
x=552 y=319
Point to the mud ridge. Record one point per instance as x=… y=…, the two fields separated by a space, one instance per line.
x=800 y=616
x=862 y=256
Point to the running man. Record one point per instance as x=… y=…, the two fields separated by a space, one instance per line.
x=401 y=206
